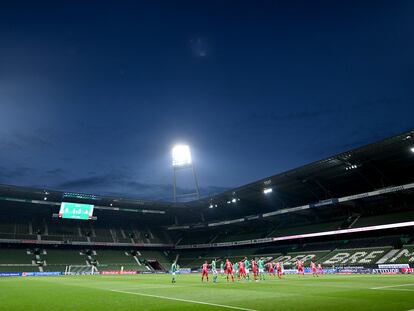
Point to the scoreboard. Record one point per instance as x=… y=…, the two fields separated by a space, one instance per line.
x=76 y=211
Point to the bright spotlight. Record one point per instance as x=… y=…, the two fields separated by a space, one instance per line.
x=233 y=200
x=267 y=190
x=181 y=155
x=412 y=149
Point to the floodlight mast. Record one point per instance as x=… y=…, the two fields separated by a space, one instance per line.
x=181 y=160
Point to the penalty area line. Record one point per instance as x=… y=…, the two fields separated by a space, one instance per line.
x=183 y=300
x=392 y=286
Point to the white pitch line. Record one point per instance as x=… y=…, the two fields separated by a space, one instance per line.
x=183 y=300
x=400 y=289
x=391 y=286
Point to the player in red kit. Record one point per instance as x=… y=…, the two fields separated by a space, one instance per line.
x=299 y=266
x=279 y=270
x=270 y=269
x=254 y=268
x=204 y=271
x=320 y=270
x=313 y=268
x=229 y=270
x=242 y=272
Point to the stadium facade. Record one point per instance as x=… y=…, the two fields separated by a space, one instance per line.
x=351 y=212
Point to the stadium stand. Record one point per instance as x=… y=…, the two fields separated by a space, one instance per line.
x=292 y=230
x=15 y=256
x=101 y=235
x=301 y=219
x=160 y=257
x=289 y=260
x=403 y=255
x=58 y=260
x=385 y=219
x=17 y=260
x=117 y=259
x=355 y=257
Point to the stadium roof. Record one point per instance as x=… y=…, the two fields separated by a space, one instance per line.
x=389 y=162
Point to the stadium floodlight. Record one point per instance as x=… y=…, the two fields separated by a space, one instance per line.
x=351 y=167
x=233 y=200
x=181 y=155
x=412 y=149
x=181 y=160
x=267 y=190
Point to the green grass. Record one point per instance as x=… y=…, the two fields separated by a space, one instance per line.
x=328 y=292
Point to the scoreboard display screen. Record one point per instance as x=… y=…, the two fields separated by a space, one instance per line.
x=76 y=211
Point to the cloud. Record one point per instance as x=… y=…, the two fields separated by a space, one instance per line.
x=268 y=120
x=55 y=172
x=124 y=185
x=199 y=47
x=11 y=174
x=34 y=141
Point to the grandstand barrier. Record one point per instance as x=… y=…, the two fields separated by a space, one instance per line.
x=81 y=243
x=353 y=270
x=307 y=270
x=299 y=236
x=398 y=266
x=10 y=274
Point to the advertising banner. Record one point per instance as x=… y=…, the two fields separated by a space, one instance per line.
x=41 y=273
x=112 y=272
x=407 y=270
x=394 y=266
x=386 y=271
x=10 y=274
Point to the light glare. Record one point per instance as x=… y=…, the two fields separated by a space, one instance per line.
x=181 y=155
x=267 y=190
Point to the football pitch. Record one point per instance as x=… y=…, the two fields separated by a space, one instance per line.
x=155 y=292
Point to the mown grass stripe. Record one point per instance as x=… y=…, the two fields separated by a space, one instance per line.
x=184 y=300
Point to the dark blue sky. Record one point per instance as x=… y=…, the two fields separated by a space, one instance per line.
x=93 y=96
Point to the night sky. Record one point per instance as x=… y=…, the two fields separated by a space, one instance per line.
x=93 y=96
